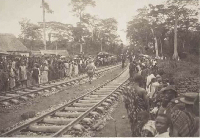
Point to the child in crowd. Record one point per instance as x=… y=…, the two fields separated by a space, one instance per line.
x=162 y=125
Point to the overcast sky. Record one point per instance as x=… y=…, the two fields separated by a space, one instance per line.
x=12 y=11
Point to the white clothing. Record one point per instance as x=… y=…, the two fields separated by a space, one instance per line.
x=165 y=134
x=154 y=63
x=66 y=65
x=76 y=70
x=148 y=82
x=70 y=70
x=153 y=88
x=150 y=126
x=44 y=75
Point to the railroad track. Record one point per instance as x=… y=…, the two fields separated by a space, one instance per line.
x=15 y=97
x=75 y=115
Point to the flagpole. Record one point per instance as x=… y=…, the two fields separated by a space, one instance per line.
x=44 y=26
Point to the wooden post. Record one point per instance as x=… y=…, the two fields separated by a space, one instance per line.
x=101 y=45
x=44 y=26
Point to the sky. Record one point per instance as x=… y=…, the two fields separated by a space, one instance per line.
x=13 y=11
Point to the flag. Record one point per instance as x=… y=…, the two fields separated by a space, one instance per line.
x=46 y=6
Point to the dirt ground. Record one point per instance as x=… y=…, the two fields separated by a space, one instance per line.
x=11 y=116
x=119 y=127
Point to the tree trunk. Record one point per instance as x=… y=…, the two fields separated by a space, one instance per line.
x=81 y=47
x=156 y=46
x=32 y=44
x=175 y=55
x=156 y=43
x=161 y=48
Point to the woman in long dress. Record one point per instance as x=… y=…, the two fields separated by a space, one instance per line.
x=76 y=70
x=23 y=74
x=70 y=70
x=35 y=75
x=12 y=78
x=73 y=69
x=44 y=74
x=67 y=68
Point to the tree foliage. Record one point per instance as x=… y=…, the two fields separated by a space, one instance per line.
x=29 y=30
x=173 y=25
x=78 y=6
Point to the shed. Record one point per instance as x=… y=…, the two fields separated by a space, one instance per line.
x=55 y=52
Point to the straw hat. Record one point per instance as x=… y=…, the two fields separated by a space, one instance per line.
x=189 y=98
x=158 y=76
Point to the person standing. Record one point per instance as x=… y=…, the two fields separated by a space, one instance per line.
x=131 y=69
x=35 y=74
x=1 y=78
x=123 y=61
x=150 y=76
x=23 y=74
x=183 y=121
x=12 y=78
x=73 y=69
x=70 y=69
x=136 y=101
x=44 y=73
x=76 y=71
x=66 y=65
x=90 y=70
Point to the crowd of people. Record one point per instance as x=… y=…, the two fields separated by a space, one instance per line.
x=22 y=71
x=104 y=60
x=154 y=107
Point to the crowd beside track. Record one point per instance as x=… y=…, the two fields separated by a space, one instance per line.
x=155 y=108
x=21 y=71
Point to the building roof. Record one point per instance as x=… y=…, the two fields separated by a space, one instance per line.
x=55 y=52
x=8 y=42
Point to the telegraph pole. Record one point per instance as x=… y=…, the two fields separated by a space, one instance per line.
x=44 y=26
x=101 y=44
x=81 y=47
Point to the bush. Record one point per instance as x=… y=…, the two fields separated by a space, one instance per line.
x=177 y=70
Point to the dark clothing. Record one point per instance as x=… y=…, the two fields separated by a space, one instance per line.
x=134 y=103
x=131 y=69
x=184 y=123
x=1 y=80
x=35 y=75
x=123 y=62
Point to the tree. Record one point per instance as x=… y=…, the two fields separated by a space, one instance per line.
x=178 y=8
x=78 y=7
x=59 y=31
x=30 y=31
x=139 y=32
x=107 y=31
x=158 y=24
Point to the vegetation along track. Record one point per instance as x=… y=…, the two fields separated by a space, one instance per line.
x=17 y=96
x=71 y=115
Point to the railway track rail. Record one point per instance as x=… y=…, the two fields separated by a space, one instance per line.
x=73 y=115
x=17 y=96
